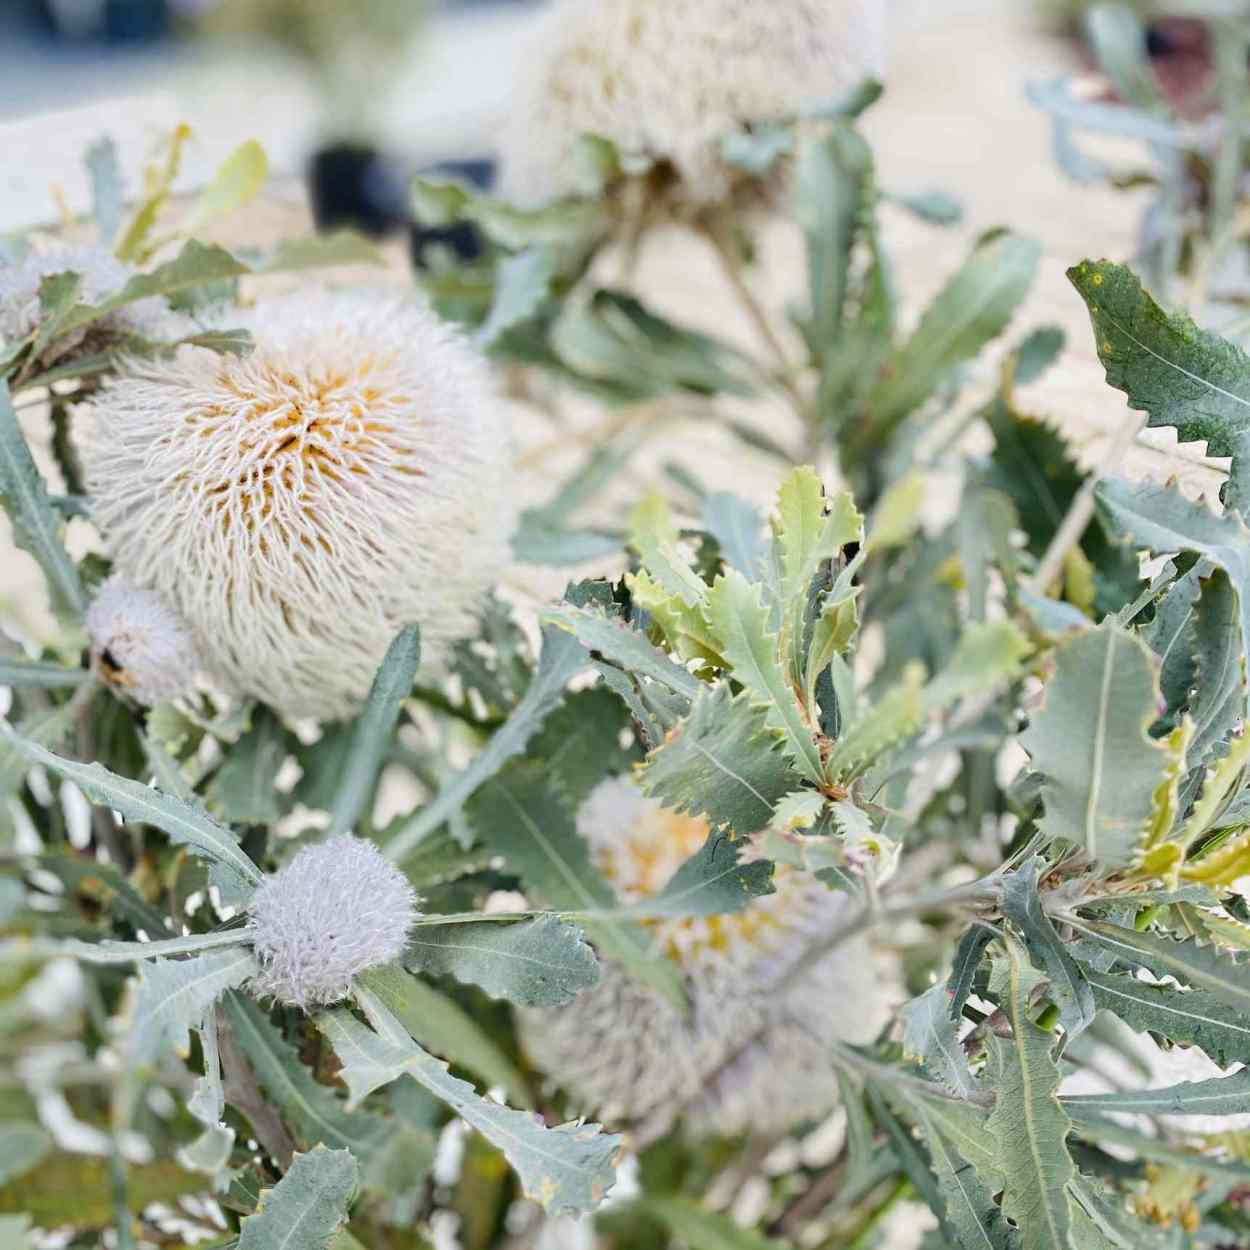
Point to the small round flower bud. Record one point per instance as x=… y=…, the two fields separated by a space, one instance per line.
x=747 y=1055
x=667 y=82
x=139 y=645
x=302 y=503
x=102 y=275
x=337 y=909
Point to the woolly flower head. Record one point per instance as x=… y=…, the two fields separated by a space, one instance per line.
x=746 y=1055
x=139 y=644
x=337 y=909
x=102 y=275
x=302 y=503
x=666 y=82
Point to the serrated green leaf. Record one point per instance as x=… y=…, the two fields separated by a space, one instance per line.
x=374 y=729
x=307 y=1206
x=1172 y=636
x=310 y=1110
x=560 y=661
x=1089 y=741
x=1191 y=1016
x=538 y=963
x=930 y=1037
x=569 y=1168
x=175 y=995
x=1177 y=373
x=623 y=646
x=810 y=528
x=655 y=538
x=741 y=624
x=522 y=286
x=712 y=882
x=443 y=1026
x=242 y=790
x=37 y=526
x=1217 y=699
x=185 y=824
x=1161 y=519
x=1028 y=1126
x=1022 y=905
x=721 y=763
x=518 y=817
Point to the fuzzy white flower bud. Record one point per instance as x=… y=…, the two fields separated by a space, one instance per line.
x=139 y=644
x=102 y=275
x=301 y=503
x=666 y=82
x=747 y=1056
x=336 y=910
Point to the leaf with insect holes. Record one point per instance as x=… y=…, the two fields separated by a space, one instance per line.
x=1090 y=745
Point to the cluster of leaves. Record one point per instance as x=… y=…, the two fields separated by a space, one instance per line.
x=840 y=685
x=1193 y=226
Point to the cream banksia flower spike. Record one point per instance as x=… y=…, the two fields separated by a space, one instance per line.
x=337 y=909
x=139 y=645
x=666 y=82
x=102 y=275
x=300 y=504
x=746 y=1056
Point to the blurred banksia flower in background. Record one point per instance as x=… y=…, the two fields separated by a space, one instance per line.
x=299 y=504
x=337 y=909
x=625 y=1052
x=666 y=83
x=139 y=645
x=101 y=275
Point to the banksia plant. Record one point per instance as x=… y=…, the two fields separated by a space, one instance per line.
x=100 y=275
x=336 y=910
x=667 y=84
x=727 y=1064
x=298 y=504
x=139 y=645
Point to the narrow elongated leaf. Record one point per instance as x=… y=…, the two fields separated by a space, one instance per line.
x=135 y=952
x=738 y=529
x=307 y=1206
x=37 y=526
x=108 y=189
x=963 y=972
x=930 y=1036
x=898 y=714
x=521 y=288
x=539 y=963
x=14 y=672
x=1222 y=1095
x=1022 y=905
x=518 y=817
x=183 y=823
x=626 y=647
x=561 y=659
x=310 y=1110
x=1028 y=1125
x=988 y=655
x=1175 y=372
x=374 y=729
x=1191 y=1016
x=1100 y=766
x=741 y=624
x=1218 y=699
x=972 y=308
x=721 y=763
x=242 y=790
x=569 y=1168
x=175 y=995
